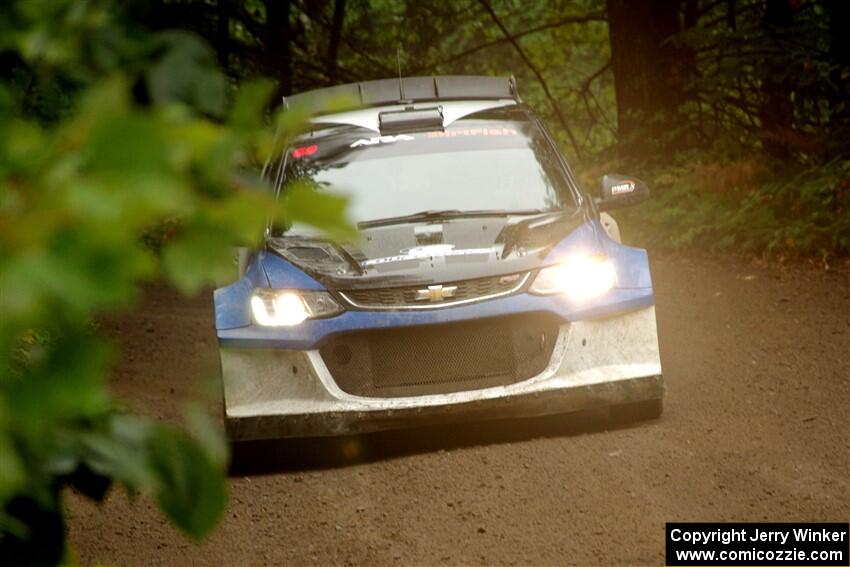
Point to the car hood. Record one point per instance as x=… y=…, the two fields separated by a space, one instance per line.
x=430 y=251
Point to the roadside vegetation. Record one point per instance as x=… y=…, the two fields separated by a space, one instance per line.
x=127 y=129
x=736 y=112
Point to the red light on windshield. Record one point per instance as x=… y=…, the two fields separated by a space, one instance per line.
x=298 y=153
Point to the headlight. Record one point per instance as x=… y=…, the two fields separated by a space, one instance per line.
x=286 y=307
x=579 y=278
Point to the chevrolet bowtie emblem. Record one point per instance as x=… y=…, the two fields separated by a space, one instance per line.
x=435 y=293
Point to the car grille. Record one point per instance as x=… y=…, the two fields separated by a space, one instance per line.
x=409 y=297
x=443 y=358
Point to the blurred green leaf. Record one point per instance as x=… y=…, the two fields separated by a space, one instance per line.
x=62 y=386
x=208 y=434
x=190 y=486
x=199 y=257
x=127 y=146
x=12 y=470
x=303 y=203
x=115 y=168
x=120 y=451
x=187 y=73
x=247 y=113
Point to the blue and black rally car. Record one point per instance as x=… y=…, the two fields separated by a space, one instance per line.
x=484 y=282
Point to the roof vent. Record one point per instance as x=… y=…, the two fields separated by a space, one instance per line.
x=411 y=120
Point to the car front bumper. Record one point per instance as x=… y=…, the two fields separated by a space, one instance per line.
x=275 y=392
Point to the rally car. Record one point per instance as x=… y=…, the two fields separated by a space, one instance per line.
x=484 y=282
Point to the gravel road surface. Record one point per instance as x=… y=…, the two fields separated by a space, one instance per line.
x=756 y=428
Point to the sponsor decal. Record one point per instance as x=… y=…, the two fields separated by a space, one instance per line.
x=624 y=187
x=422 y=252
x=462 y=132
x=428 y=250
x=381 y=140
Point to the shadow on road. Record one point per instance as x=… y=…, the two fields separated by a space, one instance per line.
x=304 y=454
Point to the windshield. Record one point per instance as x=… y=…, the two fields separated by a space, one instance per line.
x=476 y=164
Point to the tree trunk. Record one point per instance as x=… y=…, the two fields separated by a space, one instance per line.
x=278 y=34
x=651 y=73
x=223 y=32
x=776 y=111
x=839 y=51
x=336 y=32
x=839 y=44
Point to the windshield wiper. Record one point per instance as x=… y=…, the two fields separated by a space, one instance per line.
x=440 y=214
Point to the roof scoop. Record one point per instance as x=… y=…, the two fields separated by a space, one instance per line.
x=410 y=120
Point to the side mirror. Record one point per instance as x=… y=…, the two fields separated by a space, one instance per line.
x=620 y=191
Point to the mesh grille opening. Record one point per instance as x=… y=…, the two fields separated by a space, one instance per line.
x=443 y=358
x=409 y=296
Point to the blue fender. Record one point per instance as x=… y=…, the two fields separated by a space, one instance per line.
x=233 y=318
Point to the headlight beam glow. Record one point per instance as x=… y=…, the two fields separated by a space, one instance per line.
x=286 y=308
x=280 y=310
x=579 y=277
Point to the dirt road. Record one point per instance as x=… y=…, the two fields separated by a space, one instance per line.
x=756 y=427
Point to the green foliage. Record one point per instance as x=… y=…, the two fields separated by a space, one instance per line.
x=191 y=489
x=736 y=83
x=742 y=208
x=768 y=76
x=188 y=73
x=108 y=132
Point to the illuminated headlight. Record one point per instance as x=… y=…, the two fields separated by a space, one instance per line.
x=286 y=307
x=579 y=278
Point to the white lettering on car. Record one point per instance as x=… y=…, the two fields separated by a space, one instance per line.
x=423 y=252
x=381 y=140
x=624 y=187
